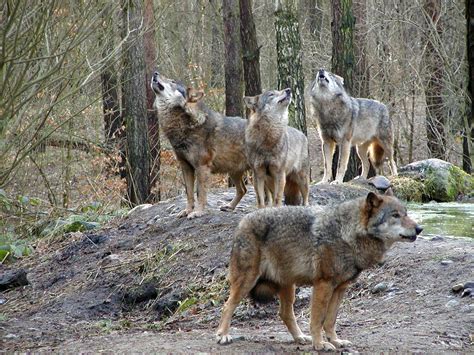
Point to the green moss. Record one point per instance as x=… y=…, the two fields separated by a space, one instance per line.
x=447 y=185
x=408 y=189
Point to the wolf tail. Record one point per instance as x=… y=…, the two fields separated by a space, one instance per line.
x=292 y=193
x=376 y=154
x=264 y=291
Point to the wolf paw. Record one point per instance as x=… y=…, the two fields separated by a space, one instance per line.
x=227 y=208
x=195 y=214
x=324 y=346
x=183 y=213
x=336 y=182
x=303 y=339
x=224 y=339
x=340 y=343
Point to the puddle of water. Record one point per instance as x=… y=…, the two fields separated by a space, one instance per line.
x=449 y=219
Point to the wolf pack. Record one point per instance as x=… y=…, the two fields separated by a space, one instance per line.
x=278 y=248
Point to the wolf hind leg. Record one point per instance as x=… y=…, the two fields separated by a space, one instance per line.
x=241 y=285
x=240 y=191
x=287 y=315
x=330 y=321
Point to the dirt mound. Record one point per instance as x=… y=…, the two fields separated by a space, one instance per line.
x=152 y=274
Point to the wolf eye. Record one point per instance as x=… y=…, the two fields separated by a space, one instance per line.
x=396 y=215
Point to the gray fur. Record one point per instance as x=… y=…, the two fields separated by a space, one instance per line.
x=345 y=121
x=276 y=249
x=277 y=154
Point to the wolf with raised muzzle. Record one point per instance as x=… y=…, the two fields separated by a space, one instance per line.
x=203 y=140
x=345 y=121
x=277 y=153
x=276 y=249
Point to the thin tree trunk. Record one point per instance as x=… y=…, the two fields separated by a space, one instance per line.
x=289 y=61
x=250 y=50
x=152 y=117
x=216 y=64
x=343 y=64
x=134 y=99
x=314 y=12
x=468 y=153
x=434 y=87
x=233 y=59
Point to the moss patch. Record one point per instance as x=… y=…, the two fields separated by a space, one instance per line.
x=408 y=189
x=447 y=185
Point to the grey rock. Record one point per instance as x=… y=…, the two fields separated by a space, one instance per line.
x=12 y=279
x=467 y=292
x=380 y=287
x=458 y=287
x=437 y=238
x=446 y=262
x=452 y=303
x=380 y=182
x=469 y=284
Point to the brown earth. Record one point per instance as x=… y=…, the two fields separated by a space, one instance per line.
x=152 y=282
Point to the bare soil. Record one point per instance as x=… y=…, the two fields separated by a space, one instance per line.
x=152 y=282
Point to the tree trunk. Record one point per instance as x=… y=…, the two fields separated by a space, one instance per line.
x=289 y=61
x=216 y=46
x=134 y=100
x=343 y=64
x=233 y=59
x=315 y=24
x=113 y=121
x=152 y=116
x=468 y=153
x=250 y=50
x=361 y=69
x=434 y=87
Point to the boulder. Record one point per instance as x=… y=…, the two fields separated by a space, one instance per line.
x=433 y=179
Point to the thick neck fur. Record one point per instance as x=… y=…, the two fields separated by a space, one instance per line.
x=266 y=129
x=367 y=249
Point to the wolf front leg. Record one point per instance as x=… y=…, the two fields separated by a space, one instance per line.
x=259 y=185
x=330 y=321
x=280 y=181
x=322 y=293
x=345 y=149
x=328 y=147
x=202 y=174
x=188 y=176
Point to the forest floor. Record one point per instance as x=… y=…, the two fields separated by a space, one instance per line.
x=152 y=282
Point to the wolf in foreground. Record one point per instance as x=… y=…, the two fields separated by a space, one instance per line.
x=277 y=249
x=203 y=140
x=348 y=121
x=277 y=154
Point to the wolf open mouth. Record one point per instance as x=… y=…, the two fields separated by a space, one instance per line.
x=411 y=238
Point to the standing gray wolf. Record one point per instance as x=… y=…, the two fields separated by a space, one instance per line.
x=276 y=249
x=348 y=121
x=277 y=154
x=204 y=141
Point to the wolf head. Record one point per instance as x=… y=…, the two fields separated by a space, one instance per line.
x=386 y=219
x=326 y=85
x=169 y=93
x=273 y=104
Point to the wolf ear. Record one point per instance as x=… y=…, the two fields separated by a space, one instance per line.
x=372 y=201
x=340 y=78
x=194 y=95
x=389 y=192
x=251 y=102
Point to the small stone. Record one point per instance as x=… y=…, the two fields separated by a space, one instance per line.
x=11 y=336
x=446 y=262
x=467 y=292
x=452 y=303
x=437 y=238
x=458 y=287
x=3 y=301
x=380 y=287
